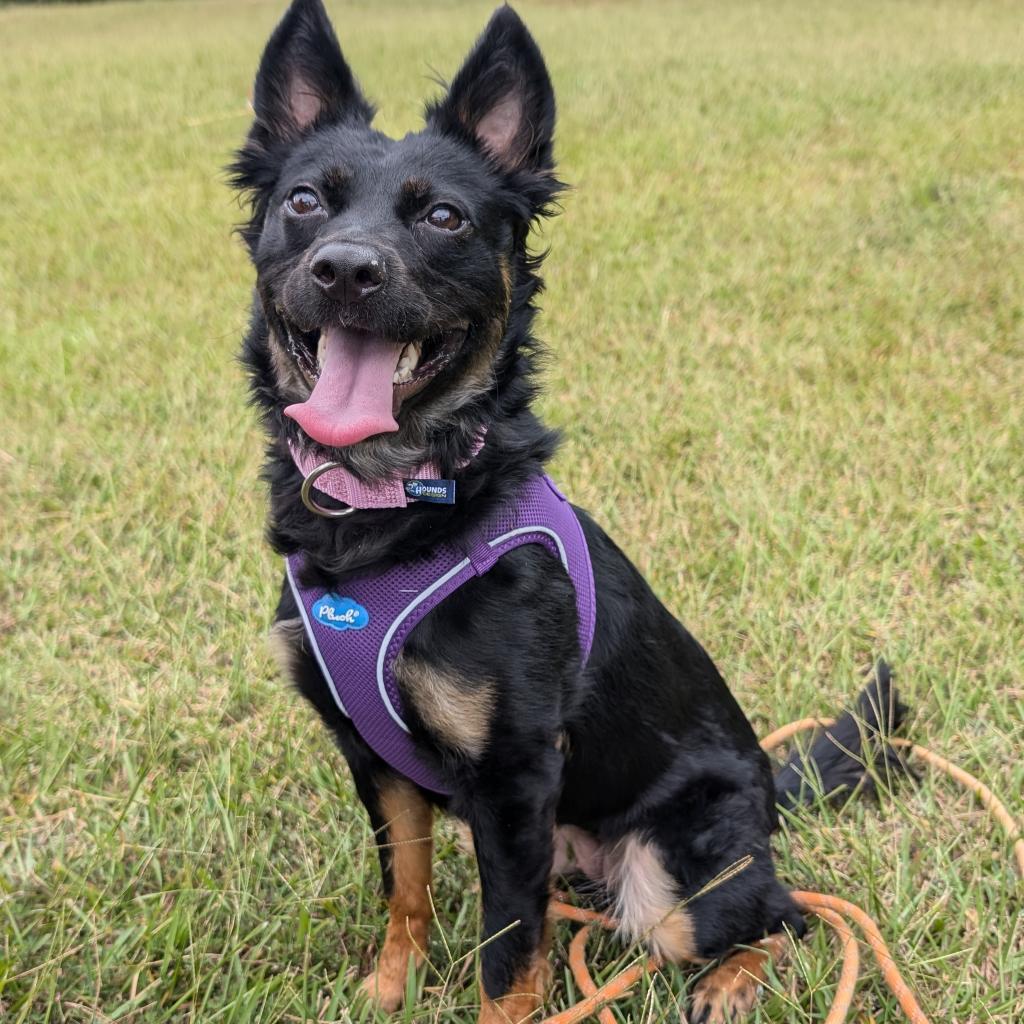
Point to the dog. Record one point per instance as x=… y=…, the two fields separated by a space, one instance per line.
x=391 y=330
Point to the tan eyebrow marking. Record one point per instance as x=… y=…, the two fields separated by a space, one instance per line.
x=336 y=179
x=416 y=188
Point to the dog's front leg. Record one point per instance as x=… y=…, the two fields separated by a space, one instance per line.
x=512 y=819
x=403 y=820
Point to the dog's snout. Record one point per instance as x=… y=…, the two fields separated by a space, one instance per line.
x=347 y=271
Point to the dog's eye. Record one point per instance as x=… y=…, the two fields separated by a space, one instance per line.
x=445 y=217
x=303 y=201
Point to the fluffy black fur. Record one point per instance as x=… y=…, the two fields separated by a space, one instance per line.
x=647 y=740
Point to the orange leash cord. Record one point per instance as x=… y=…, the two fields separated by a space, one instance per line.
x=594 y=997
x=816 y=902
x=835 y=912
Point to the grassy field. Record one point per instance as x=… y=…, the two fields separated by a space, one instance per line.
x=786 y=309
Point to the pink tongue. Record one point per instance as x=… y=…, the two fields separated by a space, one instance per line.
x=352 y=400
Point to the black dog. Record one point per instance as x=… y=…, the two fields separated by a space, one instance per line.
x=411 y=255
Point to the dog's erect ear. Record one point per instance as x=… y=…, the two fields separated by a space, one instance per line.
x=303 y=79
x=501 y=100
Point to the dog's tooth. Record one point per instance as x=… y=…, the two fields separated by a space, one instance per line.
x=321 y=349
x=410 y=357
x=403 y=372
x=407 y=363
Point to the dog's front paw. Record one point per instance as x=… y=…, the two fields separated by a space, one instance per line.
x=401 y=956
x=524 y=1001
x=385 y=988
x=730 y=990
x=723 y=1001
x=520 y=1008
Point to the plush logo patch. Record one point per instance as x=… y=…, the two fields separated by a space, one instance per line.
x=340 y=613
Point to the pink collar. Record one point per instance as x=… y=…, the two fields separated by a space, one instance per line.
x=344 y=486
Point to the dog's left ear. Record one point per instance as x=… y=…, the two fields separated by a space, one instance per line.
x=501 y=101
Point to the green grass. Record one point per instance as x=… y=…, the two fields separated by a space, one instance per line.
x=786 y=309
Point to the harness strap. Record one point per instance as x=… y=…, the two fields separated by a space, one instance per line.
x=478 y=551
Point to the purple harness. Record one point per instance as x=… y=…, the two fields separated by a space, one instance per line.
x=359 y=632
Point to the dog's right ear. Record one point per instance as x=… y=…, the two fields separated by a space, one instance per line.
x=303 y=79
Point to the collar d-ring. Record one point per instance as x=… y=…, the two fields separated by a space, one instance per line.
x=310 y=502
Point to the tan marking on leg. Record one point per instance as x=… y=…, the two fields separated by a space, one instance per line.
x=525 y=999
x=730 y=990
x=409 y=837
x=464 y=838
x=673 y=938
x=458 y=712
x=646 y=900
x=284 y=641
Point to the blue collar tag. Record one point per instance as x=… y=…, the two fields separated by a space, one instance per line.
x=440 y=492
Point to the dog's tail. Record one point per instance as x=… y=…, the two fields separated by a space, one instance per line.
x=846 y=756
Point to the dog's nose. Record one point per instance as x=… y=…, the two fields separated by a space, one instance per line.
x=348 y=272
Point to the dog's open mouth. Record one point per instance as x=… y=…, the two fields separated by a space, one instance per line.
x=360 y=379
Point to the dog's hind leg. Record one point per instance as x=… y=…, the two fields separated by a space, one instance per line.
x=406 y=847
x=730 y=990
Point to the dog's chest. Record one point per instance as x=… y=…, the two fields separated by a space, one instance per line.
x=358 y=632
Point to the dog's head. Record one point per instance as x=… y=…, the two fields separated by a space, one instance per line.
x=391 y=270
